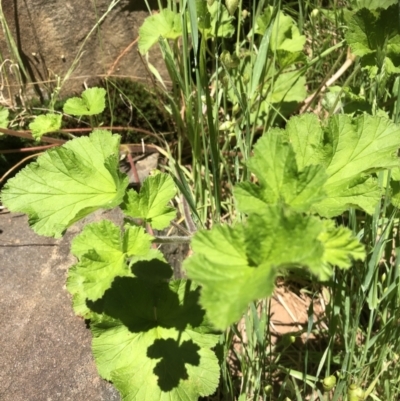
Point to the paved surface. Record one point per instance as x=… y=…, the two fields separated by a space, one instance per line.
x=45 y=350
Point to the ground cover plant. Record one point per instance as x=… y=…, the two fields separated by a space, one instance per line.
x=269 y=193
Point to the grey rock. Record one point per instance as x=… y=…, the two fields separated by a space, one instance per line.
x=49 y=34
x=45 y=350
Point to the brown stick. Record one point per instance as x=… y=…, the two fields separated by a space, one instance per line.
x=28 y=135
x=346 y=65
x=26 y=150
x=134 y=148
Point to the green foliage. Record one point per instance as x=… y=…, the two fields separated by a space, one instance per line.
x=238 y=265
x=350 y=149
x=285 y=35
x=160 y=327
x=166 y=24
x=45 y=123
x=316 y=198
x=96 y=269
x=4 y=113
x=371 y=4
x=149 y=203
x=215 y=20
x=373 y=35
x=91 y=102
x=67 y=183
x=135 y=104
x=326 y=169
x=280 y=180
x=151 y=349
x=297 y=171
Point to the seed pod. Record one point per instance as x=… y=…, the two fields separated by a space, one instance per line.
x=231 y=5
x=314 y=13
x=329 y=383
x=268 y=389
x=355 y=393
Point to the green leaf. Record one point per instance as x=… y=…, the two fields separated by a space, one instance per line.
x=375 y=37
x=341 y=247
x=102 y=253
x=45 y=123
x=290 y=86
x=372 y=4
x=238 y=265
x=350 y=149
x=4 y=117
x=166 y=24
x=213 y=20
x=67 y=183
x=306 y=136
x=221 y=21
x=203 y=17
x=157 y=345
x=280 y=180
x=150 y=203
x=92 y=102
x=285 y=34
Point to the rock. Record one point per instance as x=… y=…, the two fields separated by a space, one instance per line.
x=45 y=349
x=49 y=36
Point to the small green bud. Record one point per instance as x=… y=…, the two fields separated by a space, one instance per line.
x=231 y=5
x=314 y=13
x=329 y=383
x=355 y=393
x=268 y=389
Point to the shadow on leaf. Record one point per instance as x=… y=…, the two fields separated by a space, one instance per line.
x=149 y=300
x=171 y=368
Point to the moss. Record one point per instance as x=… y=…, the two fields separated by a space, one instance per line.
x=134 y=104
x=128 y=103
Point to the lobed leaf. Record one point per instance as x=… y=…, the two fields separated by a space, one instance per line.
x=285 y=35
x=45 y=123
x=350 y=149
x=67 y=183
x=374 y=36
x=92 y=101
x=102 y=251
x=372 y=4
x=279 y=178
x=341 y=247
x=237 y=265
x=165 y=24
x=157 y=347
x=150 y=203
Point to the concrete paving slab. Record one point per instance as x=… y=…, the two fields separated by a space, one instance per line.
x=45 y=350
